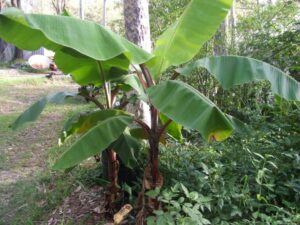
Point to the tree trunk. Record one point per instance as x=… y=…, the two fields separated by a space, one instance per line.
x=137 y=29
x=7 y=51
x=103 y=22
x=1 y=4
x=18 y=52
x=221 y=39
x=81 y=9
x=137 y=26
x=59 y=6
x=233 y=23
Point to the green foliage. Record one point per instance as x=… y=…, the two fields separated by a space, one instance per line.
x=243 y=70
x=90 y=144
x=227 y=175
x=272 y=34
x=173 y=129
x=210 y=122
x=85 y=61
x=127 y=148
x=182 y=40
x=84 y=121
x=181 y=207
x=163 y=14
x=250 y=179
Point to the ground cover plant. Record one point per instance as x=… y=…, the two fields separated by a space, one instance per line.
x=248 y=179
x=106 y=64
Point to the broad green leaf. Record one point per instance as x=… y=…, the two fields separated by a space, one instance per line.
x=54 y=32
x=80 y=45
x=185 y=105
x=83 y=122
x=86 y=71
x=33 y=112
x=133 y=81
x=182 y=41
x=238 y=125
x=94 y=141
x=173 y=129
x=140 y=133
x=126 y=147
x=237 y=70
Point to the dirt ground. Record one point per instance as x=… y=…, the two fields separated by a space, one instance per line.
x=30 y=192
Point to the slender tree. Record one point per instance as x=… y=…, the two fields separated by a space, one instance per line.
x=233 y=23
x=103 y=22
x=81 y=9
x=221 y=39
x=18 y=52
x=59 y=6
x=7 y=50
x=1 y=4
x=137 y=26
x=137 y=29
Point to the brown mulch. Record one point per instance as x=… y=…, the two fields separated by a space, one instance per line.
x=81 y=206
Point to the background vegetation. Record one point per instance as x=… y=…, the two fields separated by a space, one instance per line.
x=252 y=178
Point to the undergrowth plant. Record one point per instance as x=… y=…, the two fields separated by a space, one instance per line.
x=94 y=55
x=250 y=178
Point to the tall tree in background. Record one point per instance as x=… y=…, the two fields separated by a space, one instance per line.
x=81 y=9
x=7 y=51
x=59 y=6
x=137 y=26
x=103 y=21
x=18 y=52
x=221 y=38
x=233 y=23
x=137 y=30
x=16 y=3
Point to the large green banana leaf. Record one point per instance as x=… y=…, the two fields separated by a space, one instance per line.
x=141 y=134
x=237 y=70
x=182 y=41
x=83 y=122
x=86 y=70
x=238 y=125
x=133 y=81
x=33 y=112
x=94 y=141
x=173 y=129
x=126 y=146
x=185 y=105
x=60 y=33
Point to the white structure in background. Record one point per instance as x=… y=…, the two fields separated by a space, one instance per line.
x=39 y=62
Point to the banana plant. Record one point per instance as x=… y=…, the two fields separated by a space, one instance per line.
x=95 y=55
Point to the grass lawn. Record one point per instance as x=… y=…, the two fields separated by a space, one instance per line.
x=29 y=189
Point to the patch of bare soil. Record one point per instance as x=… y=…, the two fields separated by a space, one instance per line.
x=18 y=73
x=81 y=207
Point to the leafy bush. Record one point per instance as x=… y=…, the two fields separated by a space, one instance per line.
x=182 y=207
x=250 y=179
x=272 y=34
